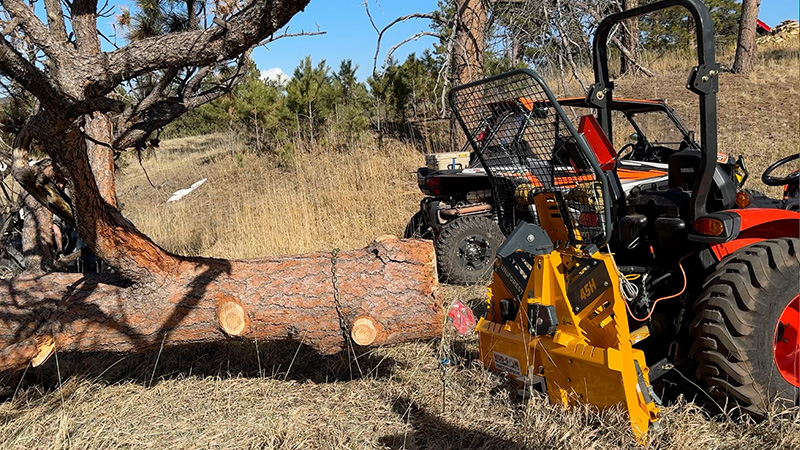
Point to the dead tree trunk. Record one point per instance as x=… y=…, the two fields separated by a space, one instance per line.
x=385 y=293
x=467 y=57
x=630 y=40
x=746 y=45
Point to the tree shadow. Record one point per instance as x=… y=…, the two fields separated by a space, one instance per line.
x=280 y=360
x=428 y=431
x=153 y=361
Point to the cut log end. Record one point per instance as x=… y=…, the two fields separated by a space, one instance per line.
x=45 y=347
x=364 y=331
x=232 y=318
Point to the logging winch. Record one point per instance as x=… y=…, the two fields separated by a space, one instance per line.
x=556 y=316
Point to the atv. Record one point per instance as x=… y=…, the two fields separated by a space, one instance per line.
x=458 y=211
x=597 y=291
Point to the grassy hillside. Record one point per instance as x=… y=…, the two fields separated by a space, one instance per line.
x=251 y=207
x=257 y=396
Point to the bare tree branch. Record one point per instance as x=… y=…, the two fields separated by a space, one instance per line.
x=622 y=48
x=30 y=77
x=151 y=98
x=405 y=41
x=193 y=83
x=162 y=112
x=255 y=22
x=381 y=32
x=36 y=30
x=286 y=34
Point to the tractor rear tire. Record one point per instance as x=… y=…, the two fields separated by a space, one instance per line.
x=738 y=319
x=465 y=249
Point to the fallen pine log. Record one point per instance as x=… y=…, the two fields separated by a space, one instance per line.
x=382 y=294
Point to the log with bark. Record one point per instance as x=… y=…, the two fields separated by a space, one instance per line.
x=382 y=294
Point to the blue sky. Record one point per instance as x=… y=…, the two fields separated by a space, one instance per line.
x=349 y=34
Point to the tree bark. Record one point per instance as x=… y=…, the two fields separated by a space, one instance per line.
x=630 y=40
x=101 y=156
x=746 y=45
x=470 y=40
x=37 y=236
x=386 y=294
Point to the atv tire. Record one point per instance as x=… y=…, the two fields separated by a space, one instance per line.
x=417 y=228
x=465 y=249
x=737 y=323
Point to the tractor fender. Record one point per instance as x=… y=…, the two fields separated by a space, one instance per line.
x=758 y=224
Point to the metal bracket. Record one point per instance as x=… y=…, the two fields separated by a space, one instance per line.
x=542 y=319
x=598 y=94
x=704 y=79
x=643 y=386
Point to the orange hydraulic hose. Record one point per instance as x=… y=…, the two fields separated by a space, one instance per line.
x=652 y=308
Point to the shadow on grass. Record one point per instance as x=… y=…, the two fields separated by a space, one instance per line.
x=428 y=431
x=283 y=360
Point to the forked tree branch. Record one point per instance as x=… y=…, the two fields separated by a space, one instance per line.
x=401 y=19
x=394 y=48
x=162 y=112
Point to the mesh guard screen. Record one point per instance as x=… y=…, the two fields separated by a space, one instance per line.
x=527 y=148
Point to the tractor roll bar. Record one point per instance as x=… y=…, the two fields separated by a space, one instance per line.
x=703 y=81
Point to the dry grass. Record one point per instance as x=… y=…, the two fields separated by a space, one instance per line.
x=250 y=207
x=275 y=396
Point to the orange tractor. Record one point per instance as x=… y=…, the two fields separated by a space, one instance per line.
x=598 y=291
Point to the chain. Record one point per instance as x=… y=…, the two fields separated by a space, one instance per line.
x=335 y=280
x=343 y=322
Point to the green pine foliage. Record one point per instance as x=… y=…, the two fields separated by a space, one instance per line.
x=673 y=28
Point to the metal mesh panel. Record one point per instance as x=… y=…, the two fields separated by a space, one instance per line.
x=526 y=148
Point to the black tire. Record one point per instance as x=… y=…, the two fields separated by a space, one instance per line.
x=417 y=228
x=734 y=329
x=465 y=249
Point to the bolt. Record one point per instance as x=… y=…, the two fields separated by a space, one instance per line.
x=705 y=78
x=531 y=238
x=576 y=309
x=569 y=380
x=569 y=361
x=605 y=283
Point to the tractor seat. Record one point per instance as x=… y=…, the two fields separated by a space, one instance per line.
x=682 y=173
